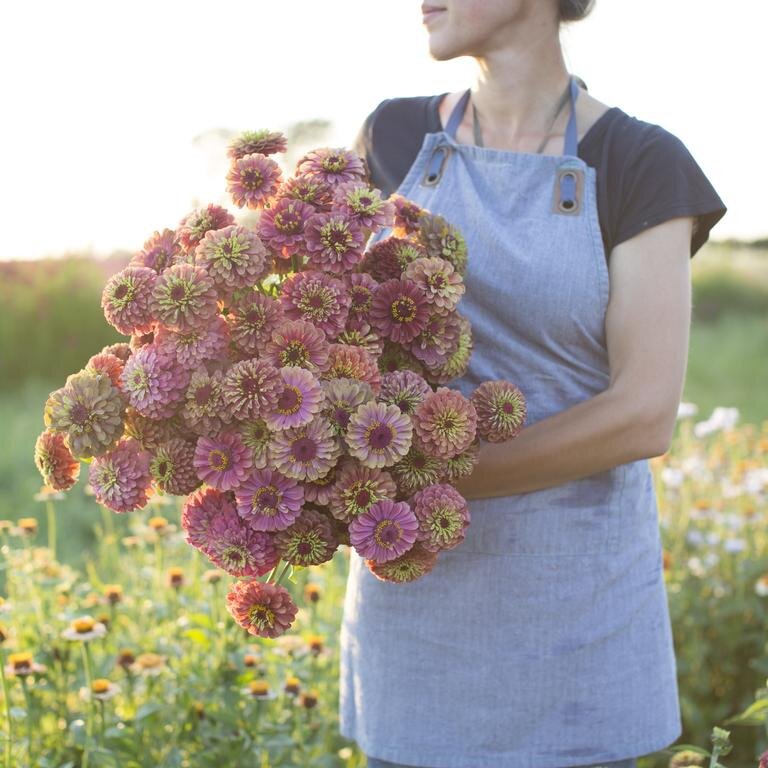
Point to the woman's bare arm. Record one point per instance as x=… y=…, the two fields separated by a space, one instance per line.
x=647 y=333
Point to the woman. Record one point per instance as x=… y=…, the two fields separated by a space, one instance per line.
x=543 y=640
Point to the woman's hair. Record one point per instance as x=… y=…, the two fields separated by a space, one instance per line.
x=575 y=10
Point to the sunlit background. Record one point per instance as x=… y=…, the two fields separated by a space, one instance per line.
x=116 y=116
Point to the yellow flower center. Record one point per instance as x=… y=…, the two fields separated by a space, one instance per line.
x=85 y=624
x=259 y=687
x=100 y=685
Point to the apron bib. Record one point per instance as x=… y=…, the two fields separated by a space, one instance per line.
x=544 y=639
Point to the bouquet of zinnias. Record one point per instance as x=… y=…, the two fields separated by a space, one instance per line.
x=288 y=381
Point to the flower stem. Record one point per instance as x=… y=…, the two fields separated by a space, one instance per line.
x=7 y=700
x=51 y=527
x=89 y=719
x=28 y=704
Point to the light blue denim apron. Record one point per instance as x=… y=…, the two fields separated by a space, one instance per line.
x=544 y=639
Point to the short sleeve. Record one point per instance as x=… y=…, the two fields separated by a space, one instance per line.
x=661 y=181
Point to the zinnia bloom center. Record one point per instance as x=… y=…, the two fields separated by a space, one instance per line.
x=335 y=237
x=287 y=221
x=361 y=299
x=289 y=401
x=507 y=407
x=363 y=497
x=379 y=435
x=178 y=292
x=79 y=414
x=333 y=163
x=342 y=417
x=436 y=281
x=403 y=309
x=304 y=449
x=255 y=318
x=294 y=354
x=261 y=616
x=266 y=498
x=387 y=533
x=218 y=460
x=251 y=178
x=121 y=291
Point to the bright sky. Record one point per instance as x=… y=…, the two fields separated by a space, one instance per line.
x=110 y=111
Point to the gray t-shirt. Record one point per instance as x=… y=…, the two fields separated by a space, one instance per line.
x=645 y=174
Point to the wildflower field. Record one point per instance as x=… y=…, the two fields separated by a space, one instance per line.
x=117 y=649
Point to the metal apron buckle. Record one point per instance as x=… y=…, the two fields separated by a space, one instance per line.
x=569 y=190
x=436 y=165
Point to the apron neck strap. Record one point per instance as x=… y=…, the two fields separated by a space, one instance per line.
x=571 y=133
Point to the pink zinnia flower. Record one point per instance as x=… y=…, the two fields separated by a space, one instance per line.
x=299 y=343
x=405 y=389
x=308 y=541
x=120 y=478
x=269 y=501
x=199 y=511
x=154 y=382
x=263 y=609
x=399 y=310
x=197 y=345
x=342 y=398
x=359 y=201
x=127 y=300
x=333 y=166
x=184 y=297
x=438 y=280
x=300 y=398
x=501 y=410
x=334 y=242
x=234 y=257
x=361 y=288
x=357 y=488
x=252 y=319
x=308 y=189
x=55 y=461
x=251 y=388
x=378 y=434
x=387 y=258
x=159 y=252
x=384 y=531
x=437 y=338
x=253 y=180
x=263 y=142
x=222 y=462
x=445 y=422
x=194 y=226
x=235 y=547
x=316 y=298
x=172 y=467
x=443 y=516
x=348 y=362
x=204 y=410
x=411 y=565
x=305 y=453
x=407 y=215
x=281 y=227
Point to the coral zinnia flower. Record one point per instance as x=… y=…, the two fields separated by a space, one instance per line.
x=263 y=142
x=154 y=382
x=445 y=422
x=55 y=461
x=239 y=550
x=89 y=410
x=108 y=364
x=172 y=467
x=159 y=252
x=127 y=300
x=252 y=320
x=200 y=509
x=251 y=388
x=121 y=350
x=501 y=410
x=268 y=501
x=384 y=531
x=307 y=452
x=195 y=224
x=378 y=434
x=348 y=362
x=184 y=297
x=281 y=227
x=300 y=398
x=253 y=180
x=334 y=166
x=298 y=343
x=358 y=487
x=317 y=298
x=334 y=242
x=411 y=565
x=342 y=398
x=363 y=204
x=234 y=257
x=121 y=478
x=438 y=280
x=399 y=310
x=308 y=541
x=222 y=462
x=443 y=516
x=405 y=389
x=263 y=609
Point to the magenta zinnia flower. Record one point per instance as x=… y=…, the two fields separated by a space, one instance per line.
x=348 y=362
x=443 y=516
x=360 y=202
x=263 y=609
x=445 y=422
x=234 y=546
x=197 y=345
x=501 y=410
x=378 y=434
x=384 y=531
x=194 y=226
x=263 y=142
x=251 y=388
x=55 y=461
x=199 y=511
x=281 y=227
x=120 y=478
x=334 y=242
x=399 y=310
x=253 y=180
x=234 y=257
x=411 y=565
x=334 y=166
x=300 y=398
x=252 y=320
x=305 y=453
x=299 y=343
x=155 y=382
x=438 y=280
x=357 y=488
x=317 y=298
x=127 y=300
x=268 y=501
x=308 y=541
x=222 y=462
x=405 y=389
x=159 y=252
x=172 y=467
x=342 y=398
x=184 y=297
